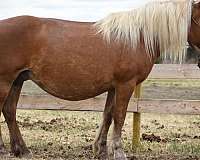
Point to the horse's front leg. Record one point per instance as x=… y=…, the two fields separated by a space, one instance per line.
x=100 y=143
x=123 y=94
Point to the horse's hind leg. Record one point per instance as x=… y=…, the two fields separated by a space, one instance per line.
x=99 y=146
x=18 y=147
x=123 y=94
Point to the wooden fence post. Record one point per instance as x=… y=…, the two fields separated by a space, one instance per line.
x=136 y=120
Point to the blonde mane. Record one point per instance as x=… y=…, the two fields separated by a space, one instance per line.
x=162 y=22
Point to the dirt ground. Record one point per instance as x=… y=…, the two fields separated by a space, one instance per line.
x=68 y=135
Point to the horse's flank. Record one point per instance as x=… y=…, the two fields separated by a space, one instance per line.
x=162 y=23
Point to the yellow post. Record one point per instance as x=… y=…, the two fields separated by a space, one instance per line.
x=136 y=120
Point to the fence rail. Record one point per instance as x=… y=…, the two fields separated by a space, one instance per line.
x=174 y=106
x=136 y=105
x=160 y=71
x=175 y=71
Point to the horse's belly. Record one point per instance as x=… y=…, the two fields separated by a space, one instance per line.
x=74 y=84
x=73 y=91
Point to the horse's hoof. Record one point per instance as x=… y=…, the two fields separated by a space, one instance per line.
x=3 y=150
x=27 y=155
x=22 y=152
x=95 y=148
x=100 y=151
x=117 y=154
x=103 y=156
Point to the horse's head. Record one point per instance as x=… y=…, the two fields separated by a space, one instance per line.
x=194 y=33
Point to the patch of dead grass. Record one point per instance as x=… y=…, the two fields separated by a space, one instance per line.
x=67 y=135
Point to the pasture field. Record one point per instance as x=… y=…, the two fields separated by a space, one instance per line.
x=68 y=135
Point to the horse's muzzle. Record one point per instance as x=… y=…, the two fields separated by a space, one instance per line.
x=197 y=49
x=198 y=61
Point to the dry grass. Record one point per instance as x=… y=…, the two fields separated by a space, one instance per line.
x=67 y=135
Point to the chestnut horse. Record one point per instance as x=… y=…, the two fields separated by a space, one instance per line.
x=77 y=61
